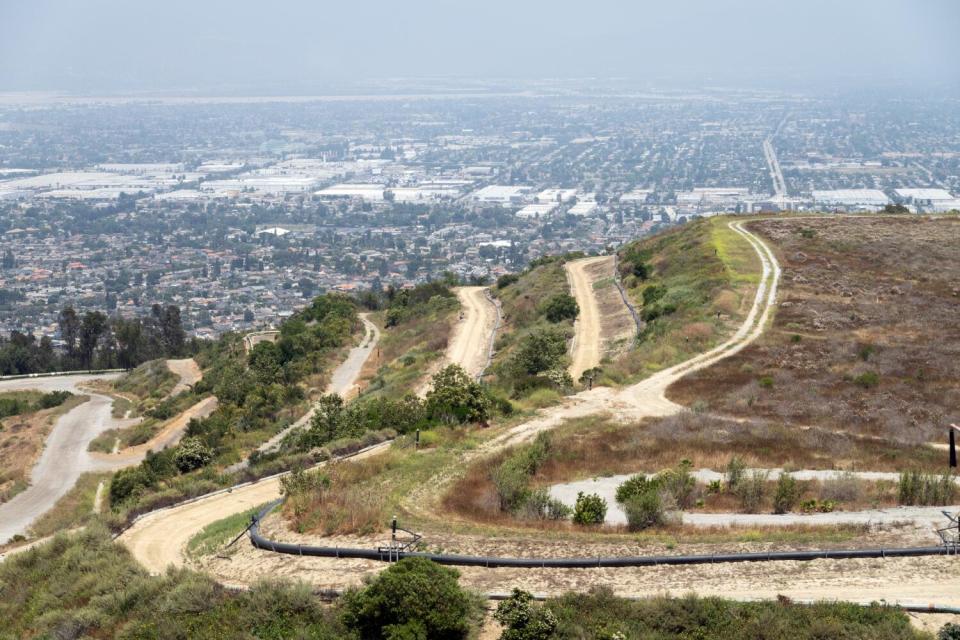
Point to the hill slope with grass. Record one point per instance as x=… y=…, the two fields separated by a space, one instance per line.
x=691 y=285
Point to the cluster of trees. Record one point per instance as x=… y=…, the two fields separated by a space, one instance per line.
x=94 y=340
x=454 y=399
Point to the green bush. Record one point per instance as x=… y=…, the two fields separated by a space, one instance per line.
x=867 y=380
x=679 y=484
x=413 y=598
x=653 y=293
x=561 y=307
x=53 y=399
x=507 y=279
x=735 y=471
x=766 y=382
x=751 y=490
x=644 y=510
x=590 y=509
x=539 y=351
x=635 y=486
x=949 y=631
x=521 y=619
x=918 y=488
x=456 y=399
x=787 y=493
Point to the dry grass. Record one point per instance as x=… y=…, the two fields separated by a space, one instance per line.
x=862 y=296
x=21 y=442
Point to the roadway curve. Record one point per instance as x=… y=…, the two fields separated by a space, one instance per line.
x=159 y=539
x=65 y=456
x=586 y=347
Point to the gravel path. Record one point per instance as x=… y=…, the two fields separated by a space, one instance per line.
x=606 y=488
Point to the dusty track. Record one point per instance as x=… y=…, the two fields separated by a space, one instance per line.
x=470 y=344
x=189 y=373
x=586 y=347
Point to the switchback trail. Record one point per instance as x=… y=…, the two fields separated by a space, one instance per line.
x=159 y=539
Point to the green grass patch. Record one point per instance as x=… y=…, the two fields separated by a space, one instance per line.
x=216 y=534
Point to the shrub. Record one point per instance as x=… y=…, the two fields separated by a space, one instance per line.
x=787 y=493
x=735 y=470
x=561 y=307
x=644 y=510
x=539 y=504
x=868 y=379
x=917 y=488
x=949 y=631
x=766 y=382
x=521 y=619
x=539 y=351
x=413 y=598
x=53 y=399
x=512 y=477
x=842 y=488
x=590 y=509
x=128 y=482
x=635 y=486
x=507 y=279
x=679 y=484
x=192 y=454
x=751 y=490
x=653 y=293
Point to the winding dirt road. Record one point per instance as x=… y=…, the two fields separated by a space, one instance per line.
x=586 y=349
x=189 y=372
x=65 y=456
x=159 y=539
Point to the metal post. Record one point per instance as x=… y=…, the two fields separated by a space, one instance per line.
x=953 y=445
x=416 y=443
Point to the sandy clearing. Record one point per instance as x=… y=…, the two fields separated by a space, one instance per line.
x=469 y=345
x=606 y=488
x=189 y=372
x=585 y=349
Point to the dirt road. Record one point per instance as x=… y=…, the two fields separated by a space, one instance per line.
x=168 y=436
x=65 y=456
x=189 y=372
x=159 y=538
x=472 y=337
x=586 y=349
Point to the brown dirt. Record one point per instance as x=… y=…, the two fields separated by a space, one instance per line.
x=861 y=295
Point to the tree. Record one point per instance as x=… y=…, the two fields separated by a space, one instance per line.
x=561 y=307
x=91 y=327
x=9 y=262
x=787 y=493
x=540 y=351
x=192 y=454
x=69 y=330
x=413 y=598
x=456 y=398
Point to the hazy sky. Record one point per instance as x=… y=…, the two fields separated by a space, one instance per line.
x=312 y=45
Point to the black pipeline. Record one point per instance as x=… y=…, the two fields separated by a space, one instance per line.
x=578 y=563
